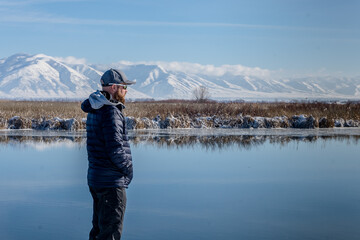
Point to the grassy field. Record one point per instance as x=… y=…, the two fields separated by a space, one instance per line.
x=48 y=110
x=30 y=109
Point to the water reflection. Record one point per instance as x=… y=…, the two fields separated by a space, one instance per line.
x=308 y=189
x=209 y=140
x=243 y=142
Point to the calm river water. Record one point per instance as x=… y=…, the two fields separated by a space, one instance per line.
x=225 y=184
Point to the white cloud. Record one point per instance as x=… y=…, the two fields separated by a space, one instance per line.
x=209 y=70
x=71 y=60
x=9 y=15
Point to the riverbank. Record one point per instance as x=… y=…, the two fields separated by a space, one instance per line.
x=171 y=122
x=185 y=114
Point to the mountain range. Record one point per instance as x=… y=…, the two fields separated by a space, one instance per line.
x=42 y=77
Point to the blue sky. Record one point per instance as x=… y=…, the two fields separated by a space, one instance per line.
x=297 y=36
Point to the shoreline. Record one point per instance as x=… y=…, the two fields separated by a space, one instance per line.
x=185 y=122
x=206 y=138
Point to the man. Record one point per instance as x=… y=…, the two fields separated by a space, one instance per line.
x=110 y=164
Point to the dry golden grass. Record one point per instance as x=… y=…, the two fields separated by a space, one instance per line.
x=48 y=110
x=350 y=110
x=30 y=109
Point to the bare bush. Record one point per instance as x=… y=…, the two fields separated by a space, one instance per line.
x=201 y=94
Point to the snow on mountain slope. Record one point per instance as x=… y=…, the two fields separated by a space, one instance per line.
x=24 y=76
x=168 y=80
x=159 y=83
x=39 y=76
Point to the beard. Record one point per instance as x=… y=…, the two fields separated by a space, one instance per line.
x=119 y=97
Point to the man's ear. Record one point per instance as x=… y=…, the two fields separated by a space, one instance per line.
x=113 y=88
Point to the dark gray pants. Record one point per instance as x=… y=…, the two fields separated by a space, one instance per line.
x=108 y=213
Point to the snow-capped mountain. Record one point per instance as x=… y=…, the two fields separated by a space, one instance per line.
x=24 y=76
x=163 y=80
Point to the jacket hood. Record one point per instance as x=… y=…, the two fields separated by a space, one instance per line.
x=97 y=100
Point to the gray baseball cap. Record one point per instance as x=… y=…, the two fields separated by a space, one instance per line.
x=114 y=76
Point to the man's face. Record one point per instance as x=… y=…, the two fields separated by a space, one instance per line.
x=119 y=93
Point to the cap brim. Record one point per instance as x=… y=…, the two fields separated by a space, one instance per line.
x=128 y=82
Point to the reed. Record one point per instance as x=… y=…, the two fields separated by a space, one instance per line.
x=349 y=110
x=40 y=109
x=48 y=110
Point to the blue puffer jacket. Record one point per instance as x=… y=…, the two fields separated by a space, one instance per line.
x=109 y=154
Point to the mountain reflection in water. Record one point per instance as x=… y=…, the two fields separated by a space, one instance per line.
x=210 y=140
